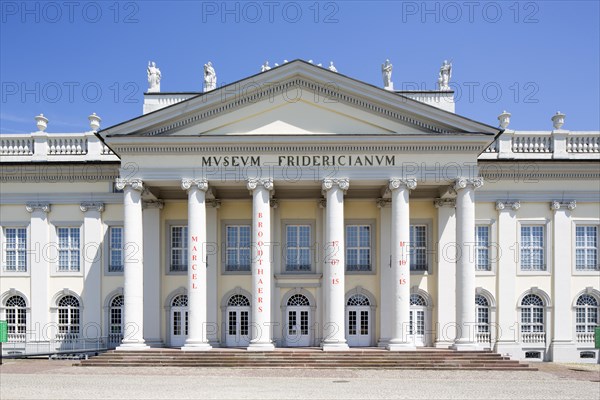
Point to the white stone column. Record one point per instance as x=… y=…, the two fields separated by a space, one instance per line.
x=39 y=270
x=261 y=327
x=152 y=272
x=133 y=291
x=334 y=326
x=400 y=263
x=212 y=272
x=92 y=269
x=446 y=273
x=197 y=339
x=465 y=265
x=506 y=270
x=385 y=272
x=562 y=347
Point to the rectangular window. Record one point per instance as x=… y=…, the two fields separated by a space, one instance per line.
x=358 y=248
x=532 y=248
x=418 y=248
x=298 y=248
x=586 y=248
x=68 y=249
x=237 y=248
x=179 y=248
x=482 y=248
x=116 y=257
x=16 y=249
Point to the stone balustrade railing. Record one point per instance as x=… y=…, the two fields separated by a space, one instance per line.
x=533 y=337
x=585 y=337
x=42 y=146
x=557 y=144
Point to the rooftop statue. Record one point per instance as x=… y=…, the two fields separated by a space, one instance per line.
x=153 y=77
x=265 y=67
x=386 y=71
x=445 y=75
x=332 y=67
x=210 y=77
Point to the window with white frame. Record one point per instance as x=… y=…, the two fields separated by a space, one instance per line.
x=532 y=248
x=16 y=318
x=358 y=248
x=116 y=320
x=482 y=248
x=418 y=248
x=298 y=248
x=532 y=314
x=68 y=318
x=586 y=248
x=237 y=247
x=179 y=248
x=69 y=252
x=586 y=317
x=482 y=310
x=15 y=249
x=115 y=253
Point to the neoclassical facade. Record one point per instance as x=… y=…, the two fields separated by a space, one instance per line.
x=301 y=207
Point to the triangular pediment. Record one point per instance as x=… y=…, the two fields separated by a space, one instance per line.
x=297 y=99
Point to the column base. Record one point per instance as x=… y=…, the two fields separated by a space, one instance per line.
x=442 y=344
x=383 y=342
x=563 y=351
x=132 y=347
x=196 y=346
x=510 y=349
x=465 y=346
x=400 y=346
x=154 y=343
x=261 y=347
x=334 y=346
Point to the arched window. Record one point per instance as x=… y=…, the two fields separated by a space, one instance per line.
x=586 y=317
x=68 y=318
x=358 y=300
x=417 y=300
x=116 y=319
x=298 y=300
x=482 y=310
x=532 y=319
x=238 y=300
x=16 y=318
x=180 y=301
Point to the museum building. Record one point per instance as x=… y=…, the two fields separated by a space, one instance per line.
x=300 y=207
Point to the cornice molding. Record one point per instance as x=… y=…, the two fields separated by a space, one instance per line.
x=91 y=206
x=38 y=206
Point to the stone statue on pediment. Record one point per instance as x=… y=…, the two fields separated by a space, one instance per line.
x=444 y=76
x=386 y=71
x=153 y=77
x=332 y=67
x=265 y=67
x=210 y=77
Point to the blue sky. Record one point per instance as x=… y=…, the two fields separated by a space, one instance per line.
x=67 y=60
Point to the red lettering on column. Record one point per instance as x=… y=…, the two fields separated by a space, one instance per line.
x=194 y=276
x=260 y=290
x=194 y=267
x=260 y=282
x=260 y=300
x=260 y=224
x=260 y=271
x=260 y=215
x=194 y=238
x=194 y=286
x=194 y=248
x=194 y=257
x=260 y=309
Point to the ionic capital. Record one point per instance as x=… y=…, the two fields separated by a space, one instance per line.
x=31 y=207
x=508 y=205
x=253 y=183
x=342 y=183
x=397 y=183
x=149 y=204
x=462 y=183
x=188 y=183
x=439 y=203
x=135 y=184
x=91 y=206
x=556 y=205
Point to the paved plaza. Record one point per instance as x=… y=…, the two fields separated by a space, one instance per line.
x=46 y=379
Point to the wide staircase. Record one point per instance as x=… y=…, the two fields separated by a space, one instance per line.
x=441 y=359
